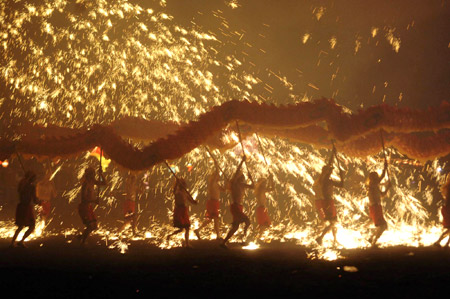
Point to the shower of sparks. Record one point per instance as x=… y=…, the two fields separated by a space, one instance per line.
x=78 y=63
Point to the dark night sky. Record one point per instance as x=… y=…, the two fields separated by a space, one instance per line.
x=419 y=73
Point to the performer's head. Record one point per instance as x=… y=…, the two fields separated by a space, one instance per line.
x=89 y=173
x=30 y=176
x=373 y=177
x=180 y=184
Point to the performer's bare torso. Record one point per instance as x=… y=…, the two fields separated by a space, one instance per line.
x=214 y=188
x=327 y=185
x=27 y=193
x=374 y=194
x=180 y=197
x=88 y=191
x=238 y=187
x=260 y=194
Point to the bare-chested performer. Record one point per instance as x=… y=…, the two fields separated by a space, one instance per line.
x=212 y=204
x=445 y=210
x=375 y=208
x=262 y=216
x=45 y=192
x=88 y=198
x=129 y=204
x=238 y=186
x=24 y=210
x=181 y=210
x=324 y=197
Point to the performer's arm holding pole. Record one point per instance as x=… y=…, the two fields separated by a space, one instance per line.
x=191 y=199
x=243 y=152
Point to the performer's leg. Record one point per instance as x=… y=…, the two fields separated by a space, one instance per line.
x=16 y=234
x=87 y=231
x=28 y=232
x=378 y=233
x=25 y=235
x=247 y=224
x=174 y=233
x=442 y=236
x=233 y=229
x=133 y=225
x=324 y=232
x=334 y=231
x=125 y=225
x=217 y=227
x=205 y=223
x=186 y=237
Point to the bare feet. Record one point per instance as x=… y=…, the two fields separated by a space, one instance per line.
x=21 y=244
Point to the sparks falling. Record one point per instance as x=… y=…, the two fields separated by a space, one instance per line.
x=79 y=63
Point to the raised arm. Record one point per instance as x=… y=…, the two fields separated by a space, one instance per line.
x=182 y=188
x=331 y=158
x=384 y=171
x=190 y=198
x=251 y=180
x=270 y=183
x=238 y=168
x=388 y=186
x=340 y=183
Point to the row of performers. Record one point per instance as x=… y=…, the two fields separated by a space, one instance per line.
x=237 y=186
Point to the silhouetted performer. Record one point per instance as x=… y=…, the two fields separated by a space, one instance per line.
x=45 y=192
x=212 y=204
x=88 y=198
x=324 y=197
x=181 y=210
x=445 y=210
x=237 y=188
x=129 y=204
x=375 y=208
x=262 y=216
x=24 y=210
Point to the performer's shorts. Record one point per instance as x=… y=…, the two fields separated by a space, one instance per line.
x=376 y=214
x=129 y=208
x=25 y=215
x=212 y=208
x=445 y=210
x=237 y=211
x=87 y=213
x=326 y=209
x=181 y=217
x=45 y=208
x=262 y=216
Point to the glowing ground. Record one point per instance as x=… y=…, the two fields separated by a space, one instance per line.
x=50 y=267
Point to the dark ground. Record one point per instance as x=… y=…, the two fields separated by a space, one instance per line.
x=54 y=268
